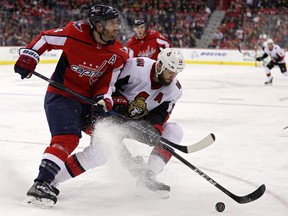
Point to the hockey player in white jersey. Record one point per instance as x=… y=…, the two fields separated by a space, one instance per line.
x=277 y=56
x=148 y=89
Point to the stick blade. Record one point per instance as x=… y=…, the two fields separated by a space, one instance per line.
x=283 y=132
x=204 y=143
x=252 y=196
x=239 y=48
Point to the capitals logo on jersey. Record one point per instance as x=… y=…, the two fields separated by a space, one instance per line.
x=148 y=52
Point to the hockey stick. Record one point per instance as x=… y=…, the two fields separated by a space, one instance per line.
x=239 y=199
x=205 y=142
x=283 y=132
x=245 y=53
x=165 y=144
x=63 y=88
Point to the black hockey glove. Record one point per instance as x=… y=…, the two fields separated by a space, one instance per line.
x=120 y=105
x=102 y=107
x=259 y=59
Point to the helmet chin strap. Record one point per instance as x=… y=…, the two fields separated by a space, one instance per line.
x=103 y=23
x=101 y=37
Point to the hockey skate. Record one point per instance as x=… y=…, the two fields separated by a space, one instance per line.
x=133 y=164
x=147 y=184
x=41 y=194
x=54 y=185
x=269 y=81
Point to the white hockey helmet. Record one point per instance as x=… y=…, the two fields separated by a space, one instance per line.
x=270 y=41
x=171 y=59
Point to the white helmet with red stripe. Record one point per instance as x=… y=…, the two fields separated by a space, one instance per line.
x=171 y=59
x=270 y=41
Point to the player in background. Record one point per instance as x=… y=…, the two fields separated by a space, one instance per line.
x=277 y=55
x=146 y=91
x=89 y=65
x=146 y=42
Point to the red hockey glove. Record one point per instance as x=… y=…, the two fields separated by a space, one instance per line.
x=102 y=107
x=26 y=63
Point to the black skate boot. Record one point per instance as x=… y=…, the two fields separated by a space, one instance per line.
x=269 y=81
x=148 y=184
x=42 y=194
x=54 y=185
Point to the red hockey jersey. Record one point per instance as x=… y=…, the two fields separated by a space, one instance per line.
x=149 y=46
x=85 y=66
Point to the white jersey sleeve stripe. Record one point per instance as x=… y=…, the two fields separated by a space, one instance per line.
x=115 y=75
x=52 y=40
x=163 y=42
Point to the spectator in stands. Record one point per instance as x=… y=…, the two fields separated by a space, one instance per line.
x=29 y=17
x=254 y=17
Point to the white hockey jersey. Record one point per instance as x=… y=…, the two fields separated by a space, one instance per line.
x=277 y=54
x=146 y=96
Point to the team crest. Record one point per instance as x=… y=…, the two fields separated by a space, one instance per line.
x=137 y=108
x=77 y=25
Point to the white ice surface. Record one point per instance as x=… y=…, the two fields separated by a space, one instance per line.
x=230 y=101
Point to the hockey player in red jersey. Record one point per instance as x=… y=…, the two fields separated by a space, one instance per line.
x=277 y=56
x=146 y=42
x=148 y=90
x=89 y=65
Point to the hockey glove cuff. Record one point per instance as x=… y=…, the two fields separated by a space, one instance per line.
x=120 y=105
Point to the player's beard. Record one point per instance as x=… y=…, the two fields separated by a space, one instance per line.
x=162 y=81
x=109 y=36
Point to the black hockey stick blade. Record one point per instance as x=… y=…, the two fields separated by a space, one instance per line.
x=239 y=48
x=239 y=199
x=250 y=197
x=205 y=142
x=245 y=53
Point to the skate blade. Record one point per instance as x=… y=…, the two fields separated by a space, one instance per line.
x=42 y=203
x=146 y=193
x=135 y=172
x=283 y=133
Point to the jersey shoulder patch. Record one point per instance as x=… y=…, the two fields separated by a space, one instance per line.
x=140 y=62
x=178 y=84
